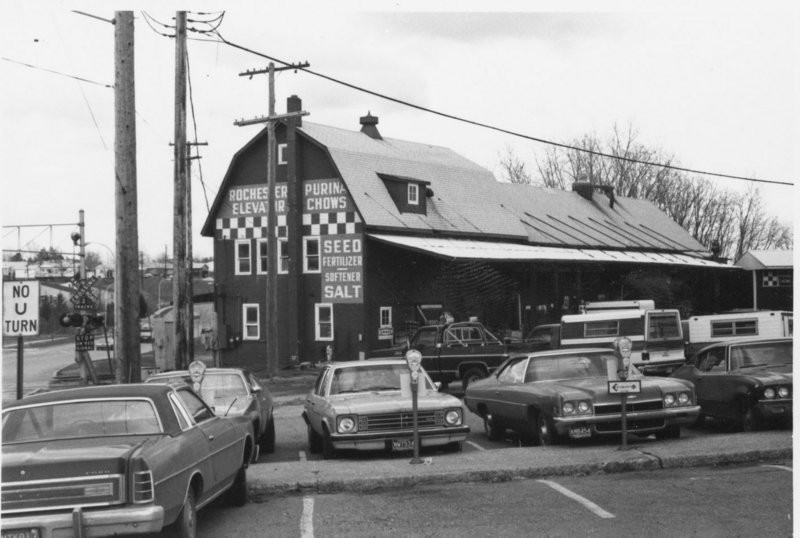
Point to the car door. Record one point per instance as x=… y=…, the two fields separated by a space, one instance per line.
x=223 y=439
x=711 y=374
x=316 y=402
x=264 y=404
x=511 y=398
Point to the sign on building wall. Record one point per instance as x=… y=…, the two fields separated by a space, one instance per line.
x=328 y=213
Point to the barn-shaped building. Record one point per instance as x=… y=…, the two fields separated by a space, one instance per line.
x=376 y=236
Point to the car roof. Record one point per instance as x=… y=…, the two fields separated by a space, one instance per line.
x=744 y=341
x=173 y=373
x=370 y=362
x=132 y=390
x=561 y=352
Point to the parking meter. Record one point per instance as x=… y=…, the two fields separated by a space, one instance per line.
x=414 y=359
x=197 y=370
x=622 y=350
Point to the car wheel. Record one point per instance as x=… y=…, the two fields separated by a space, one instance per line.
x=328 y=452
x=186 y=524
x=545 y=430
x=237 y=495
x=314 y=441
x=750 y=421
x=472 y=375
x=494 y=431
x=670 y=432
x=268 y=439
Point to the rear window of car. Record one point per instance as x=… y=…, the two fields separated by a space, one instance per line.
x=95 y=418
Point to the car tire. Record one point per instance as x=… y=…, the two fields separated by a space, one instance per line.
x=670 y=432
x=545 y=430
x=314 y=441
x=268 y=439
x=186 y=524
x=237 y=495
x=750 y=420
x=328 y=452
x=472 y=375
x=493 y=430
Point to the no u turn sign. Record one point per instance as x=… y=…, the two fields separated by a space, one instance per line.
x=21 y=308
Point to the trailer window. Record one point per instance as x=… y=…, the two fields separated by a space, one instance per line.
x=663 y=326
x=601 y=328
x=738 y=327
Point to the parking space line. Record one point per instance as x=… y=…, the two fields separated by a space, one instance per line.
x=782 y=467
x=307 y=519
x=584 y=501
x=479 y=447
x=302 y=455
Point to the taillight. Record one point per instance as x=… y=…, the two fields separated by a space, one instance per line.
x=143 y=489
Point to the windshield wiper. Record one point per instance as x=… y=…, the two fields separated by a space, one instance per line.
x=753 y=365
x=381 y=387
x=231 y=406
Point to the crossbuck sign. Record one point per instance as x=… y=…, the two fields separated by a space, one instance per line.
x=21 y=308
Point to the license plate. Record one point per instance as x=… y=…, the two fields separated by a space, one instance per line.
x=580 y=432
x=402 y=444
x=21 y=533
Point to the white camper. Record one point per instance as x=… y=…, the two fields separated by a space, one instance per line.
x=700 y=331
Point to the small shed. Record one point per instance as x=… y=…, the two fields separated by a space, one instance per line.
x=772 y=278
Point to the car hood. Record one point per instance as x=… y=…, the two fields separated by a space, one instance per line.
x=389 y=401
x=596 y=388
x=87 y=456
x=769 y=375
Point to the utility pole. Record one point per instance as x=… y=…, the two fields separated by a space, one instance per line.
x=189 y=256
x=272 y=250
x=179 y=221
x=126 y=279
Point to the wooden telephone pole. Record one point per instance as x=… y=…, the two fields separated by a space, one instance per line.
x=126 y=278
x=272 y=243
x=179 y=299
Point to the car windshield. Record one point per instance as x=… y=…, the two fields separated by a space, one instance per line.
x=761 y=354
x=370 y=378
x=575 y=366
x=95 y=418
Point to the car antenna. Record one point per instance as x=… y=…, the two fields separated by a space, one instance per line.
x=230 y=406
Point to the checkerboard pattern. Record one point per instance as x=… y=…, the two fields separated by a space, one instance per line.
x=774 y=280
x=248 y=227
x=342 y=222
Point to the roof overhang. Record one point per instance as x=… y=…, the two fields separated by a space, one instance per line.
x=487 y=250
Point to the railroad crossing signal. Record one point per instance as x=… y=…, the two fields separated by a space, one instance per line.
x=84 y=298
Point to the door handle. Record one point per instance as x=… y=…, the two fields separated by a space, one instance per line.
x=211 y=437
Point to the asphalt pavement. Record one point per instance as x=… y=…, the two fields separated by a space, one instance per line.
x=352 y=474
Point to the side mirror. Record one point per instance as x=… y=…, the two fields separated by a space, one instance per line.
x=255 y=390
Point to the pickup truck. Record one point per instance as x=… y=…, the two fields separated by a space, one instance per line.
x=464 y=351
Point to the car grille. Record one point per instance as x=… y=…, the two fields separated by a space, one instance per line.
x=65 y=493
x=615 y=426
x=632 y=406
x=400 y=421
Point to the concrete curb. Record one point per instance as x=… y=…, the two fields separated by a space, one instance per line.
x=502 y=465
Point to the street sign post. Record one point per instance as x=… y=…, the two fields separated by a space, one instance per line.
x=20 y=317
x=618 y=382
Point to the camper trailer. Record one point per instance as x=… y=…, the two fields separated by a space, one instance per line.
x=700 y=331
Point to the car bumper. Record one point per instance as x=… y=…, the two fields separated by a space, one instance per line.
x=379 y=440
x=95 y=522
x=639 y=421
x=775 y=409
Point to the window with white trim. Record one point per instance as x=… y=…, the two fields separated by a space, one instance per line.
x=283 y=256
x=243 y=261
x=385 y=316
x=737 y=327
x=323 y=321
x=251 y=321
x=311 y=262
x=282 y=153
x=413 y=194
x=263 y=258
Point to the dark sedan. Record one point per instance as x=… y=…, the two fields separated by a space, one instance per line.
x=552 y=395
x=748 y=381
x=118 y=459
x=233 y=391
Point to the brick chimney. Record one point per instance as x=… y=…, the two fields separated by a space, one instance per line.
x=368 y=126
x=295 y=104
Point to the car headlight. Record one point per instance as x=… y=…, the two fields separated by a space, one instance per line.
x=346 y=424
x=453 y=417
x=568 y=408
x=669 y=400
x=580 y=407
x=684 y=399
x=769 y=393
x=584 y=407
x=784 y=392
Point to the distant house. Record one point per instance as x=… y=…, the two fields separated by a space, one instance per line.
x=772 y=278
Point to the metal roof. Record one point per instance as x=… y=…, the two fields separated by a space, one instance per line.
x=488 y=250
x=766 y=259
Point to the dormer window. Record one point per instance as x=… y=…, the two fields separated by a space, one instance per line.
x=413 y=194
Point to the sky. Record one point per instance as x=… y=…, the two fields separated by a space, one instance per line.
x=714 y=84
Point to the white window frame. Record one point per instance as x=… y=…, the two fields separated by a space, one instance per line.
x=306 y=241
x=238 y=268
x=283 y=256
x=387 y=311
x=256 y=323
x=413 y=194
x=317 y=324
x=281 y=153
x=262 y=267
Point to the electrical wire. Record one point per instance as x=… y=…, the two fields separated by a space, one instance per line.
x=81 y=79
x=194 y=123
x=493 y=127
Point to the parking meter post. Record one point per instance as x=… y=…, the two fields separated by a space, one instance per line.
x=624 y=401
x=622 y=350
x=414 y=359
x=19 y=367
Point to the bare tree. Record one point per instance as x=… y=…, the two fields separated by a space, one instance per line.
x=710 y=213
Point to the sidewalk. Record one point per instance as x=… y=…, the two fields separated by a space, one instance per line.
x=352 y=475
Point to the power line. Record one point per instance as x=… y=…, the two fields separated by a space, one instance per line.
x=58 y=73
x=194 y=123
x=494 y=127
